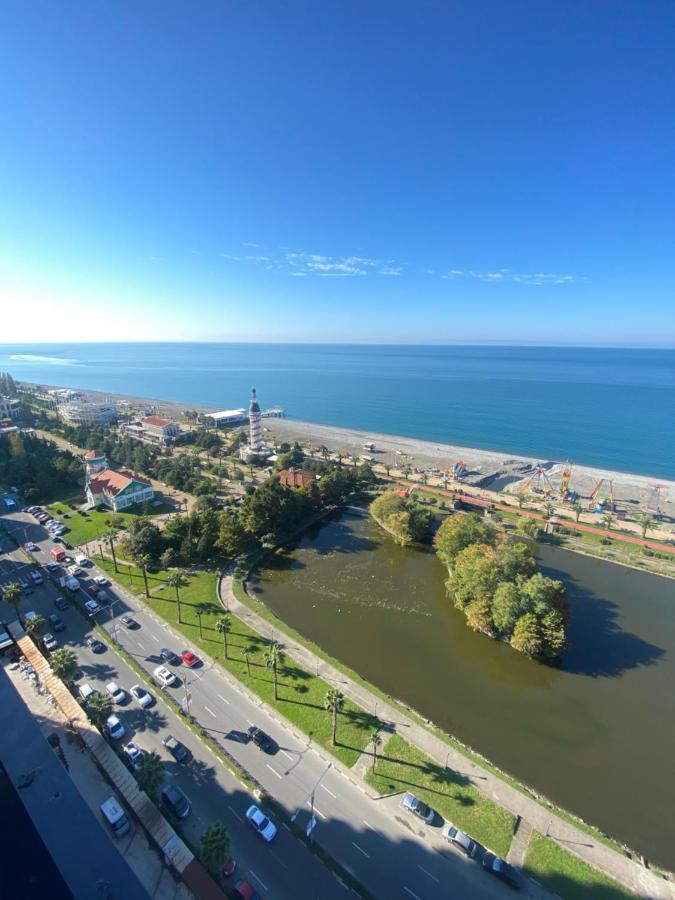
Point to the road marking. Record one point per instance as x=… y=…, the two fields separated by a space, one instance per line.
x=224 y=699
x=235 y=813
x=329 y=792
x=278 y=859
x=368 y=825
x=367 y=855
x=210 y=711
x=316 y=808
x=264 y=886
x=141 y=646
x=433 y=877
x=273 y=770
x=412 y=893
x=288 y=755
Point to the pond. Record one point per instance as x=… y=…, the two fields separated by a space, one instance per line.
x=596 y=735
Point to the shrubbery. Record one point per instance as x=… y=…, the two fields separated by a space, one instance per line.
x=402 y=517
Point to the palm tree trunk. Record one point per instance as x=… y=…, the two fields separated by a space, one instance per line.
x=334 y=724
x=374 y=757
x=145 y=579
x=199 y=619
x=274 y=672
x=178 y=607
x=112 y=553
x=225 y=644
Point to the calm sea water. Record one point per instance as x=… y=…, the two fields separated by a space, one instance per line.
x=603 y=407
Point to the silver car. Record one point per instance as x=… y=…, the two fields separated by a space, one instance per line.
x=418 y=808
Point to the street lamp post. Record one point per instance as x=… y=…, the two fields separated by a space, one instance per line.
x=310 y=799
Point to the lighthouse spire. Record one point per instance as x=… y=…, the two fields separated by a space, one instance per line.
x=254 y=424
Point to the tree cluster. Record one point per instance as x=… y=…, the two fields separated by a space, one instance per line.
x=496 y=583
x=37 y=467
x=402 y=517
x=7 y=385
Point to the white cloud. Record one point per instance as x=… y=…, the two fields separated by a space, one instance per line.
x=250 y=244
x=537 y=278
x=390 y=270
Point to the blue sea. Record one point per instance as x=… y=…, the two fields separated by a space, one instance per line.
x=603 y=407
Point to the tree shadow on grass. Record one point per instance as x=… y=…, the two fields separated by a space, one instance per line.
x=394 y=782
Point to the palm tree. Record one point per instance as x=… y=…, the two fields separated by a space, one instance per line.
x=247 y=659
x=376 y=741
x=144 y=561
x=201 y=609
x=608 y=519
x=63 y=664
x=223 y=626
x=35 y=626
x=13 y=594
x=521 y=500
x=274 y=657
x=387 y=469
x=99 y=707
x=406 y=472
x=215 y=847
x=645 y=524
x=549 y=509
x=424 y=478
x=334 y=702
x=110 y=535
x=150 y=774
x=177 y=580
x=578 y=509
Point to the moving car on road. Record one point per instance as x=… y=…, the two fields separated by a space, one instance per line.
x=92 y=606
x=260 y=823
x=189 y=658
x=163 y=676
x=100 y=580
x=418 y=808
x=244 y=890
x=60 y=603
x=179 y=751
x=130 y=622
x=31 y=546
x=169 y=656
x=460 y=839
x=95 y=645
x=57 y=623
x=500 y=869
x=141 y=696
x=262 y=740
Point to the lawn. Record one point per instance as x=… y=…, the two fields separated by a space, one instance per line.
x=90 y=525
x=301 y=694
x=568 y=876
x=402 y=767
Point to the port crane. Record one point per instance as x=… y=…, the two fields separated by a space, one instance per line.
x=537 y=482
x=602 y=497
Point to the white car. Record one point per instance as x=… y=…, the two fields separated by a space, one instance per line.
x=141 y=696
x=115 y=728
x=164 y=677
x=75 y=571
x=134 y=752
x=49 y=641
x=101 y=580
x=118 y=695
x=92 y=606
x=260 y=823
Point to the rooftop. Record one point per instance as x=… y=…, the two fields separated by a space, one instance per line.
x=157 y=421
x=113 y=482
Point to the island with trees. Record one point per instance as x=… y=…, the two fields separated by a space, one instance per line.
x=406 y=521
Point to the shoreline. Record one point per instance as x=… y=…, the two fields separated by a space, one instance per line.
x=482 y=466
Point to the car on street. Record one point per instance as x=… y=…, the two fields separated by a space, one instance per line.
x=93 y=590
x=101 y=580
x=92 y=606
x=189 y=658
x=163 y=676
x=75 y=571
x=134 y=754
x=31 y=546
x=260 y=823
x=60 y=603
x=169 y=656
x=104 y=598
x=130 y=622
x=175 y=800
x=49 y=642
x=496 y=866
x=179 y=751
x=116 y=692
x=52 y=566
x=244 y=890
x=460 y=839
x=229 y=867
x=141 y=696
x=95 y=645
x=262 y=740
x=418 y=808
x=57 y=623
x=115 y=728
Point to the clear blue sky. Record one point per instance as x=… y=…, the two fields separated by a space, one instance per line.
x=349 y=170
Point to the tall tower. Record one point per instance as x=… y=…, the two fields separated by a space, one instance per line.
x=254 y=424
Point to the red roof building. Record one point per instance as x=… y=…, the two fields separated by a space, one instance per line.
x=295 y=478
x=118 y=490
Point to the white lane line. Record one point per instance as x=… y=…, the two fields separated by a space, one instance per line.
x=361 y=850
x=224 y=699
x=329 y=792
x=141 y=646
x=368 y=825
x=234 y=813
x=412 y=893
x=210 y=711
x=273 y=770
x=316 y=808
x=264 y=886
x=278 y=859
x=433 y=877
x=287 y=755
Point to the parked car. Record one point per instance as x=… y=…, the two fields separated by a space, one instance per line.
x=60 y=603
x=37 y=577
x=176 y=800
x=189 y=658
x=49 y=642
x=117 y=693
x=52 y=566
x=57 y=624
x=95 y=645
x=92 y=606
x=134 y=754
x=179 y=751
x=229 y=867
x=141 y=696
x=500 y=869
x=262 y=740
x=164 y=677
x=93 y=590
x=169 y=656
x=418 y=808
x=260 y=823
x=104 y=598
x=244 y=890
x=75 y=571
x=31 y=546
x=115 y=728
x=460 y=839
x=101 y=580
x=130 y=622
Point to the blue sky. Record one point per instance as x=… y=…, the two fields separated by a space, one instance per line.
x=358 y=171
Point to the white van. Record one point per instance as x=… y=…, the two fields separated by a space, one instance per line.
x=115 y=816
x=82 y=560
x=85 y=691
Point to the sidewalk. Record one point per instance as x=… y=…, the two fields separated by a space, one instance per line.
x=645 y=883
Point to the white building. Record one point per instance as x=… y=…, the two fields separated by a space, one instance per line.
x=153 y=430
x=10 y=408
x=117 y=490
x=80 y=412
x=227 y=417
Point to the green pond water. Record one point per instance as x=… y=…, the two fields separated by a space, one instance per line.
x=596 y=735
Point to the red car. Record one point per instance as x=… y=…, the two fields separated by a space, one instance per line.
x=189 y=658
x=229 y=867
x=93 y=590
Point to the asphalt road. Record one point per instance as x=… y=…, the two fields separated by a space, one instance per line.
x=392 y=854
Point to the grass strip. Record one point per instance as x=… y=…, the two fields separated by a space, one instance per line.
x=87 y=526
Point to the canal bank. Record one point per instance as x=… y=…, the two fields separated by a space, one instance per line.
x=567 y=732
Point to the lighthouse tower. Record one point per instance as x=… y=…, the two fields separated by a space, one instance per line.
x=255 y=442
x=94 y=461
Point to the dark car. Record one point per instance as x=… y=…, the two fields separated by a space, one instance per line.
x=169 y=656
x=57 y=623
x=500 y=869
x=94 y=590
x=262 y=740
x=95 y=645
x=176 y=801
x=130 y=622
x=179 y=751
x=244 y=890
x=60 y=603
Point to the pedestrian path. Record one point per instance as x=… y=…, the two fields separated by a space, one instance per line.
x=519 y=844
x=636 y=877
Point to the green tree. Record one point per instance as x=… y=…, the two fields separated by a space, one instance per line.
x=645 y=523
x=479 y=615
x=530 y=527
x=474 y=575
x=506 y=607
x=459 y=531
x=223 y=627
x=553 y=634
x=215 y=848
x=177 y=580
x=99 y=707
x=608 y=520
x=274 y=659
x=35 y=626
x=522 y=499
x=578 y=509
x=13 y=595
x=63 y=664
x=516 y=558
x=110 y=535
x=334 y=702
x=539 y=594
x=527 y=636
x=549 y=509
x=376 y=743
x=150 y=774
x=202 y=609
x=144 y=561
